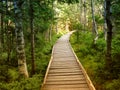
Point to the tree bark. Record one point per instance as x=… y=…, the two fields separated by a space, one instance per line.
x=81 y=11
x=0 y=35
x=56 y=27
x=50 y=33
x=32 y=39
x=85 y=15
x=20 y=39
x=105 y=23
x=50 y=30
x=95 y=32
x=109 y=35
x=2 y=27
x=7 y=32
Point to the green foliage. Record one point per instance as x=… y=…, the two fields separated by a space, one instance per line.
x=13 y=74
x=116 y=8
x=99 y=19
x=93 y=59
x=101 y=44
x=24 y=84
x=112 y=85
x=4 y=55
x=9 y=75
x=75 y=26
x=69 y=1
x=116 y=56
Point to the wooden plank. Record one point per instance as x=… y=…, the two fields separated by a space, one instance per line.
x=66 y=82
x=59 y=67
x=63 y=56
x=65 y=89
x=65 y=79
x=66 y=58
x=66 y=69
x=65 y=74
x=63 y=71
x=66 y=86
x=64 y=65
x=64 y=61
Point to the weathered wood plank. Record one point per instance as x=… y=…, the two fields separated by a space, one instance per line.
x=85 y=86
x=65 y=89
x=66 y=82
x=66 y=79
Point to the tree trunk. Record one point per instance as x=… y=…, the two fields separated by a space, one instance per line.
x=50 y=33
x=56 y=27
x=2 y=28
x=7 y=32
x=20 y=39
x=50 y=30
x=109 y=35
x=85 y=15
x=105 y=23
x=81 y=11
x=32 y=39
x=0 y=35
x=95 y=32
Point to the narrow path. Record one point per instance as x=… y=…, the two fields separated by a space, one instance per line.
x=65 y=72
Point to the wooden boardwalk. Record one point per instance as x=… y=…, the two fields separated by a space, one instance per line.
x=64 y=71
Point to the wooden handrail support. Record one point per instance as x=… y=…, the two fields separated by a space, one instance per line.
x=91 y=86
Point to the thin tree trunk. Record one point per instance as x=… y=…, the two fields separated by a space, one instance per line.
x=2 y=27
x=7 y=33
x=0 y=35
x=95 y=32
x=81 y=11
x=20 y=39
x=32 y=39
x=105 y=23
x=50 y=30
x=56 y=27
x=85 y=15
x=109 y=35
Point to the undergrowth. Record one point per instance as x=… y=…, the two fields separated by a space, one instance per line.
x=9 y=76
x=92 y=57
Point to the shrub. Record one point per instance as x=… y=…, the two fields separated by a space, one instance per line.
x=113 y=85
x=24 y=84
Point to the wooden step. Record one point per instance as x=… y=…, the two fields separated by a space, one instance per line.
x=85 y=86
x=73 y=82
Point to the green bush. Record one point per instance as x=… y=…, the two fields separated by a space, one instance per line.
x=92 y=57
x=24 y=84
x=113 y=85
x=13 y=74
x=9 y=76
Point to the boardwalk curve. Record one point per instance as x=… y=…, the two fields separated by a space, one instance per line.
x=64 y=71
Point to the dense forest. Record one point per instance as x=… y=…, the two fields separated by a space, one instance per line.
x=30 y=28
